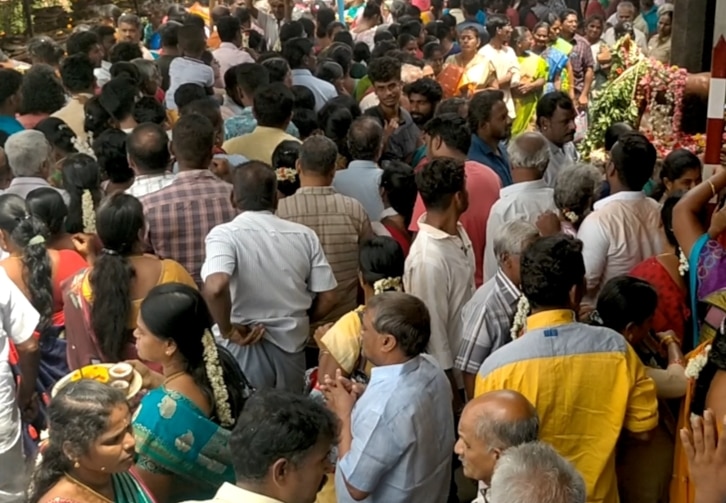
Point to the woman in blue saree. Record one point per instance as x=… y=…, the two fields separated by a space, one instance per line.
x=545 y=36
x=182 y=426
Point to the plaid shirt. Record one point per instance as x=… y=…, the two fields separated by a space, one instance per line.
x=180 y=216
x=487 y=321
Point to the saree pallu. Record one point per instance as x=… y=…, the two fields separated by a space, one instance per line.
x=174 y=437
x=127 y=488
x=531 y=68
x=707 y=288
x=557 y=66
x=457 y=80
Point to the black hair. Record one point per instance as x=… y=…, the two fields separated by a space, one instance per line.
x=10 y=83
x=382 y=49
x=169 y=33
x=58 y=134
x=119 y=223
x=412 y=28
x=124 y=51
x=130 y=71
x=613 y=132
x=243 y=14
x=77 y=73
x=333 y=26
x=148 y=109
x=30 y=234
x=341 y=54
x=318 y=155
x=404 y=40
x=371 y=10
x=716 y=361
x=207 y=107
x=129 y=18
x=324 y=17
x=174 y=311
x=195 y=21
x=191 y=39
x=278 y=425
x=624 y=300
x=81 y=42
x=551 y=266
x=96 y=118
x=80 y=172
x=77 y=416
x=439 y=181
x=256 y=41
x=118 y=97
x=285 y=156
x=403 y=316
x=336 y=118
x=361 y=52
x=44 y=49
x=193 y=139
x=177 y=13
x=277 y=69
x=384 y=69
x=188 y=93
x=103 y=31
x=452 y=129
x=110 y=150
x=381 y=36
x=430 y=48
x=218 y=13
x=379 y=258
x=471 y=7
x=425 y=87
x=296 y=50
x=364 y=139
x=329 y=71
x=634 y=159
x=42 y=92
x=303 y=97
x=306 y=121
x=250 y=77
x=308 y=27
x=677 y=163
x=229 y=29
x=148 y=147
x=255 y=186
x=451 y=106
x=47 y=205
x=550 y=102
x=481 y=106
x=292 y=30
x=273 y=105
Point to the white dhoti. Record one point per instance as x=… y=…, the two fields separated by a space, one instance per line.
x=13 y=469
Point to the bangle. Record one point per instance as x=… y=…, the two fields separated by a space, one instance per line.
x=667 y=340
x=713 y=188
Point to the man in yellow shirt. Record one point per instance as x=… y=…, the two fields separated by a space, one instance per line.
x=586 y=382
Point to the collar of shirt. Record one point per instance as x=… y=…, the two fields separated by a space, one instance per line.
x=626 y=195
x=362 y=164
x=386 y=372
x=387 y=212
x=301 y=72
x=28 y=180
x=228 y=46
x=325 y=191
x=551 y=318
x=234 y=107
x=232 y=494
x=522 y=187
x=508 y=289
x=438 y=233
x=195 y=174
x=498 y=161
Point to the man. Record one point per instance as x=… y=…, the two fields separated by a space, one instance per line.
x=447 y=136
x=470 y=10
x=271 y=22
x=180 y=215
x=396 y=438
x=340 y=222
x=169 y=33
x=556 y=121
x=581 y=59
x=229 y=53
x=79 y=80
x=149 y=158
x=300 y=55
x=400 y=134
x=424 y=95
x=190 y=68
x=626 y=14
x=218 y=13
x=625 y=228
x=129 y=30
x=18 y=320
x=107 y=38
x=489 y=425
x=241 y=83
x=29 y=157
x=87 y=44
x=10 y=100
x=265 y=280
x=280 y=449
x=564 y=367
x=535 y=473
x=490 y=125
x=527 y=198
x=502 y=57
x=272 y=108
x=362 y=179
x=487 y=317
x=441 y=259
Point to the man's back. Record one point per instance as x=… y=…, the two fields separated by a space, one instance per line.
x=259 y=144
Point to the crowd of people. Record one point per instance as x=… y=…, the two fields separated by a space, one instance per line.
x=353 y=259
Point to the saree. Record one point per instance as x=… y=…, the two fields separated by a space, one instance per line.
x=459 y=80
x=707 y=268
x=174 y=437
x=127 y=488
x=531 y=69
x=557 y=65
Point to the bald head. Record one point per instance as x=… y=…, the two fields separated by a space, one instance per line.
x=529 y=151
x=148 y=149
x=365 y=138
x=505 y=416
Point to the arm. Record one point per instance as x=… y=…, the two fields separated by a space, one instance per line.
x=219 y=300
x=322 y=305
x=29 y=359
x=594 y=252
x=570 y=79
x=641 y=415
x=320 y=281
x=687 y=224
x=589 y=77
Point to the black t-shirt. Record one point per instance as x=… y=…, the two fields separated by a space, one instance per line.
x=163 y=63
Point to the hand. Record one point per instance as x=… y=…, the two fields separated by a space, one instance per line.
x=85 y=244
x=221 y=167
x=525 y=89
x=339 y=394
x=663 y=336
x=582 y=102
x=243 y=335
x=149 y=378
x=390 y=128
x=549 y=224
x=706 y=454
x=321 y=331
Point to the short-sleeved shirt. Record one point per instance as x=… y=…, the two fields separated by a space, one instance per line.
x=361 y=181
x=276 y=267
x=403 y=436
x=587 y=384
x=581 y=59
x=497 y=161
x=258 y=145
x=322 y=91
x=184 y=70
x=18 y=318
x=241 y=121
x=404 y=140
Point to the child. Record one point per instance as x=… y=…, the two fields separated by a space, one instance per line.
x=189 y=69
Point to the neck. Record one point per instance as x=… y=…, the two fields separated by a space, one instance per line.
x=444 y=221
x=519 y=52
x=81 y=93
x=8 y=111
x=259 y=488
x=466 y=57
x=367 y=293
x=170 y=51
x=542 y=309
x=557 y=143
x=391 y=112
x=152 y=173
x=187 y=166
x=98 y=482
x=496 y=43
x=173 y=367
x=314 y=180
x=567 y=36
x=525 y=175
x=493 y=143
x=617 y=186
x=127 y=123
x=452 y=153
x=395 y=358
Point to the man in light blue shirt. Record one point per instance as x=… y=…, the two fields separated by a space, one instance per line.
x=397 y=435
x=300 y=55
x=362 y=179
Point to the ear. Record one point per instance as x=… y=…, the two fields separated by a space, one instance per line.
x=280 y=470
x=576 y=294
x=297 y=166
x=389 y=343
x=628 y=332
x=70 y=452
x=171 y=148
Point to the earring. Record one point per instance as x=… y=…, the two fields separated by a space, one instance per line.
x=103 y=468
x=76 y=465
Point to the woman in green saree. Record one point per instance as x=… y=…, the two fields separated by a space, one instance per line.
x=182 y=426
x=533 y=77
x=89 y=455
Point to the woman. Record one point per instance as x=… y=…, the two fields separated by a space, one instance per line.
x=118 y=97
x=594 y=27
x=667 y=273
x=182 y=426
x=576 y=189
x=42 y=95
x=659 y=46
x=101 y=302
x=365 y=29
x=284 y=159
x=627 y=305
x=150 y=84
x=47 y=205
x=82 y=182
x=110 y=151
x=533 y=77
x=398 y=193
x=680 y=172
x=89 y=456
x=96 y=119
x=545 y=35
x=63 y=141
x=467 y=72
x=332 y=72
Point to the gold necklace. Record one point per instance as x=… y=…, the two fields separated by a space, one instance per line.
x=84 y=486
x=173 y=376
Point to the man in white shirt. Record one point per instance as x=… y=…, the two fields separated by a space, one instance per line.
x=502 y=57
x=269 y=22
x=527 y=198
x=300 y=54
x=18 y=320
x=625 y=228
x=625 y=14
x=440 y=265
x=229 y=53
x=265 y=280
x=280 y=449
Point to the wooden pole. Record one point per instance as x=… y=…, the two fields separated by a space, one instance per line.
x=716 y=94
x=28 y=15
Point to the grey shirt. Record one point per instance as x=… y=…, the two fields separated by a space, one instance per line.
x=559 y=158
x=24 y=185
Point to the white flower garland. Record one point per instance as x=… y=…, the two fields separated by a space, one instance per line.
x=520 y=318
x=286 y=175
x=571 y=216
x=84 y=147
x=683 y=266
x=387 y=284
x=696 y=364
x=88 y=212
x=216 y=379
